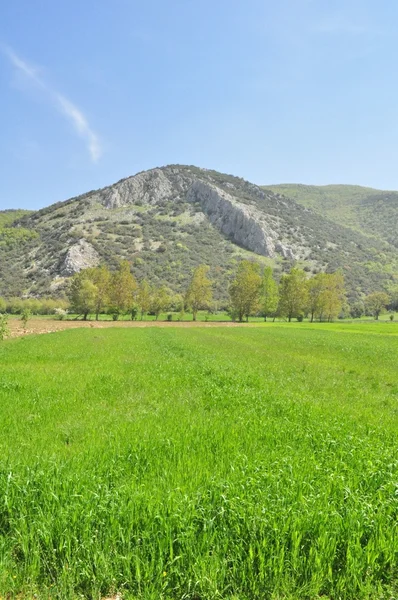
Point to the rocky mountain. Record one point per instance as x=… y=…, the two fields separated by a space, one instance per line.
x=167 y=220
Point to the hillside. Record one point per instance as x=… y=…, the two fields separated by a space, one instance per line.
x=170 y=219
x=373 y=212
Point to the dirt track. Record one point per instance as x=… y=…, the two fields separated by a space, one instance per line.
x=39 y=326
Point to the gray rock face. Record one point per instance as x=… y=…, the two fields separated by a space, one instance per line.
x=151 y=187
x=242 y=223
x=79 y=256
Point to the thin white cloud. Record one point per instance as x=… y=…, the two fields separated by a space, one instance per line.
x=73 y=114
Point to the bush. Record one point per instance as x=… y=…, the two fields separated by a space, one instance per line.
x=26 y=315
x=4 y=331
x=60 y=314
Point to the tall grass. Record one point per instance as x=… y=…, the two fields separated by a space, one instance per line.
x=200 y=463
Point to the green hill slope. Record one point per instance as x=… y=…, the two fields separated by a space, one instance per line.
x=371 y=211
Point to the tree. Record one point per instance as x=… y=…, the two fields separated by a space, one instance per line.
x=334 y=295
x=316 y=298
x=293 y=294
x=123 y=289
x=101 y=277
x=144 y=297
x=376 y=303
x=357 y=310
x=270 y=294
x=82 y=295
x=245 y=290
x=392 y=290
x=160 y=300
x=199 y=292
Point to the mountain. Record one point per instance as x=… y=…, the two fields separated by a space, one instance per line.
x=373 y=212
x=167 y=220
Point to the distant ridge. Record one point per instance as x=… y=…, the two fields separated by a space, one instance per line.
x=371 y=211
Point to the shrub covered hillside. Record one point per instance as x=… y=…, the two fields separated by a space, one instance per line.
x=373 y=212
x=167 y=221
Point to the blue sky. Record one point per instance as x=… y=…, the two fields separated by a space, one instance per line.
x=290 y=91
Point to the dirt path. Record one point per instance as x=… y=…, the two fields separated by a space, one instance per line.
x=40 y=326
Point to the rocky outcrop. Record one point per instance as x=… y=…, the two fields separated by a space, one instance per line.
x=151 y=187
x=243 y=224
x=79 y=256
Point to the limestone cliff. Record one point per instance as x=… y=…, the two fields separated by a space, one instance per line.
x=243 y=224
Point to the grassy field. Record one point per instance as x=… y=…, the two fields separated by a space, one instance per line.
x=200 y=464
x=203 y=315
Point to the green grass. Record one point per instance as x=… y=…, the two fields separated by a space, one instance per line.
x=198 y=464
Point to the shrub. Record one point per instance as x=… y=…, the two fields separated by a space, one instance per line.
x=4 y=331
x=26 y=315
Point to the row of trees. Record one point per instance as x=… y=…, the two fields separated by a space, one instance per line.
x=37 y=306
x=251 y=292
x=98 y=290
x=321 y=297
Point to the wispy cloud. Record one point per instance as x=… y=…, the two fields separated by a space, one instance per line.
x=65 y=106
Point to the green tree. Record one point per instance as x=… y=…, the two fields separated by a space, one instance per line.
x=376 y=303
x=160 y=300
x=392 y=290
x=357 y=309
x=199 y=293
x=82 y=294
x=101 y=277
x=144 y=298
x=316 y=298
x=245 y=290
x=123 y=290
x=293 y=294
x=270 y=295
x=334 y=296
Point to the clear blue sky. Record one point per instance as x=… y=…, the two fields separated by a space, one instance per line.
x=289 y=91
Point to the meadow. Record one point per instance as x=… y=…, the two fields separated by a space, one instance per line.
x=258 y=462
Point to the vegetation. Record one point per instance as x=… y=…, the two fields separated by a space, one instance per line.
x=293 y=297
x=260 y=462
x=376 y=303
x=4 y=331
x=373 y=212
x=245 y=290
x=270 y=296
x=26 y=315
x=199 y=292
